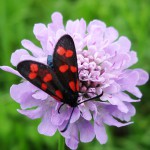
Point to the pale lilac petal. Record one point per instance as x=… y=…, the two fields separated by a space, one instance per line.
x=75 y=116
x=96 y=24
x=46 y=127
x=109 y=120
x=124 y=97
x=115 y=101
x=135 y=91
x=59 y=118
x=32 y=114
x=11 y=70
x=143 y=76
x=133 y=59
x=113 y=88
x=125 y=44
x=86 y=131
x=73 y=141
x=40 y=31
x=40 y=95
x=100 y=133
x=23 y=95
x=57 y=20
x=85 y=112
x=16 y=56
x=111 y=34
x=36 y=51
x=127 y=79
x=76 y=27
x=124 y=116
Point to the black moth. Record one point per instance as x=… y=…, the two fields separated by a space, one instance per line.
x=60 y=78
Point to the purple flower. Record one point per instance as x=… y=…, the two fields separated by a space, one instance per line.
x=103 y=62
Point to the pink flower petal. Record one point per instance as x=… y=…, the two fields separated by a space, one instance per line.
x=109 y=120
x=143 y=76
x=73 y=141
x=11 y=70
x=100 y=132
x=16 y=56
x=86 y=131
x=36 y=51
x=23 y=95
x=32 y=114
x=40 y=95
x=46 y=127
x=111 y=34
x=125 y=44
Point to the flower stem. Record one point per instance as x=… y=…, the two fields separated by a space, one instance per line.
x=61 y=142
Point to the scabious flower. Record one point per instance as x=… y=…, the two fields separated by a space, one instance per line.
x=103 y=61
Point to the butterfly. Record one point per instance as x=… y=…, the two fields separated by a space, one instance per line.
x=60 y=78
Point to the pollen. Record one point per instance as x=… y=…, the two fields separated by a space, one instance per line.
x=69 y=53
x=61 y=50
x=47 y=77
x=32 y=75
x=59 y=94
x=72 y=86
x=63 y=68
x=34 y=67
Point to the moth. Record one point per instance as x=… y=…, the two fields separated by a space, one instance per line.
x=60 y=78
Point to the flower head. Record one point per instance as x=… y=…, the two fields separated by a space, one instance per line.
x=103 y=62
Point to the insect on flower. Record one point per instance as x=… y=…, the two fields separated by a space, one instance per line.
x=60 y=77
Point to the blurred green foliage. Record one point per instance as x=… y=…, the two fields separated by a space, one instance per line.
x=17 y=18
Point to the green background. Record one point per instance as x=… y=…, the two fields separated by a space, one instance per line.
x=17 y=18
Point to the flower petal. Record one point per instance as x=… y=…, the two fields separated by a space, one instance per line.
x=11 y=70
x=86 y=130
x=36 y=51
x=111 y=34
x=23 y=95
x=32 y=114
x=46 y=127
x=125 y=44
x=40 y=95
x=109 y=120
x=100 y=132
x=143 y=76
x=16 y=56
x=73 y=141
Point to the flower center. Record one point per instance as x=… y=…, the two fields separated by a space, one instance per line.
x=89 y=74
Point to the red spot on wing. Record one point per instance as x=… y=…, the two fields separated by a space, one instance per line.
x=61 y=50
x=32 y=75
x=63 y=68
x=72 y=86
x=77 y=85
x=59 y=94
x=34 y=67
x=43 y=86
x=73 y=69
x=47 y=77
x=69 y=53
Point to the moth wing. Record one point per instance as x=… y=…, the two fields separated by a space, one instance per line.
x=65 y=64
x=43 y=77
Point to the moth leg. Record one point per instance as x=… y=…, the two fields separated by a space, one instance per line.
x=60 y=107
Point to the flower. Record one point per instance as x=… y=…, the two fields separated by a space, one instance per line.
x=103 y=61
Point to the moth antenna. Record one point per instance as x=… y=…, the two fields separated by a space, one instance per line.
x=91 y=98
x=66 y=127
x=60 y=107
